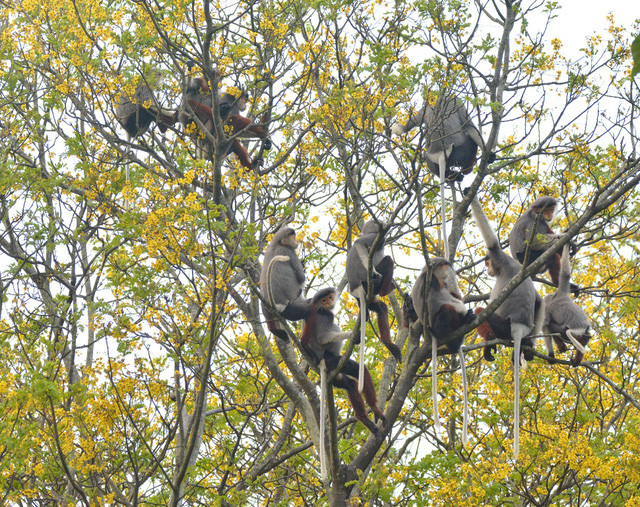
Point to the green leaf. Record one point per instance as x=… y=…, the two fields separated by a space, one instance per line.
x=635 y=51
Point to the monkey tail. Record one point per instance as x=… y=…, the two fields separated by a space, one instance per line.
x=323 y=418
x=442 y=162
x=434 y=382
x=516 y=395
x=276 y=258
x=362 y=297
x=573 y=339
x=465 y=397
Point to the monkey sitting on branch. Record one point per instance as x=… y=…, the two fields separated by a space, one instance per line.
x=531 y=236
x=439 y=305
x=198 y=99
x=136 y=113
x=281 y=282
x=518 y=318
x=564 y=318
x=322 y=339
x=381 y=281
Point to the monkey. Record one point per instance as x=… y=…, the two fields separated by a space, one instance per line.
x=446 y=313
x=383 y=284
x=198 y=97
x=531 y=236
x=563 y=317
x=453 y=141
x=518 y=317
x=322 y=339
x=135 y=114
x=281 y=281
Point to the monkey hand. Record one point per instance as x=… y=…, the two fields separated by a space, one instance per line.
x=257 y=162
x=280 y=307
x=488 y=356
x=267 y=143
x=468 y=318
x=573 y=248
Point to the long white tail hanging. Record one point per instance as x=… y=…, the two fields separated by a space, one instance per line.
x=323 y=418
x=363 y=323
x=465 y=406
x=434 y=383
x=445 y=239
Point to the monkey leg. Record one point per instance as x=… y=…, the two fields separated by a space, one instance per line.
x=495 y=327
x=553 y=266
x=241 y=152
x=579 y=338
x=355 y=398
x=384 y=285
x=446 y=321
x=349 y=372
x=560 y=345
x=275 y=329
x=409 y=315
x=243 y=125
x=528 y=354
x=385 y=331
x=487 y=334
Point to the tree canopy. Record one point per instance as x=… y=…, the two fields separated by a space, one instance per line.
x=135 y=366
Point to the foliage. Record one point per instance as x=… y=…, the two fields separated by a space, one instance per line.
x=134 y=365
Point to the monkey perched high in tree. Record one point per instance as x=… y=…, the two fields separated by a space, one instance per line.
x=281 y=282
x=198 y=98
x=564 y=318
x=452 y=141
x=516 y=318
x=381 y=279
x=323 y=339
x=136 y=113
x=440 y=307
x=531 y=236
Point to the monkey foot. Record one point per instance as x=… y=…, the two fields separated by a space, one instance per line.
x=370 y=426
x=488 y=356
x=395 y=351
x=282 y=334
x=552 y=359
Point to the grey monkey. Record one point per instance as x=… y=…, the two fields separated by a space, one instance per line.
x=518 y=318
x=282 y=280
x=563 y=317
x=382 y=280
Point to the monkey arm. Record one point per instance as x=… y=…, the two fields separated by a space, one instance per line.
x=200 y=109
x=490 y=238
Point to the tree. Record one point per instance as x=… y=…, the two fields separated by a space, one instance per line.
x=135 y=365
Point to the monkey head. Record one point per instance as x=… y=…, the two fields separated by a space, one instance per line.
x=286 y=237
x=490 y=268
x=443 y=271
x=545 y=205
x=325 y=297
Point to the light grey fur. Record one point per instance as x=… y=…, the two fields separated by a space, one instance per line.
x=286 y=279
x=358 y=255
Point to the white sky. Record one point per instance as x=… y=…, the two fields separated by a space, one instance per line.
x=581 y=18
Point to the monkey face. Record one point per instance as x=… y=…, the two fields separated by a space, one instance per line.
x=242 y=103
x=490 y=269
x=329 y=301
x=290 y=240
x=549 y=213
